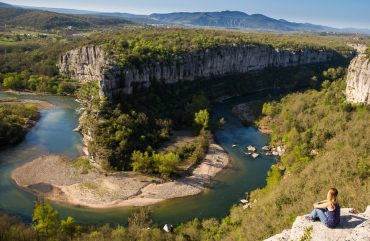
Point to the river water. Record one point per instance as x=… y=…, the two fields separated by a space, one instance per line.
x=54 y=134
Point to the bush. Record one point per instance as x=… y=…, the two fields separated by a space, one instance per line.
x=271 y=108
x=164 y=164
x=83 y=164
x=46 y=219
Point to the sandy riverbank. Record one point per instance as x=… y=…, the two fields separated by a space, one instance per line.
x=57 y=179
x=39 y=103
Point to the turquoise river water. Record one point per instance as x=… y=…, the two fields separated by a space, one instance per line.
x=53 y=134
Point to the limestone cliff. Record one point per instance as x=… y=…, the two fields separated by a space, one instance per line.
x=352 y=227
x=93 y=63
x=358 y=80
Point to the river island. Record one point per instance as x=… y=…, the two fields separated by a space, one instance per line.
x=58 y=180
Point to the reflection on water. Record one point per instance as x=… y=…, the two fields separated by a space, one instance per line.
x=53 y=135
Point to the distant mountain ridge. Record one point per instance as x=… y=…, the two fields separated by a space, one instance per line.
x=237 y=19
x=5 y=5
x=223 y=19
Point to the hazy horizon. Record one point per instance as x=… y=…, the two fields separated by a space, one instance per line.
x=340 y=13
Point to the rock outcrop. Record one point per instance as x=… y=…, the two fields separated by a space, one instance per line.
x=352 y=227
x=358 y=80
x=93 y=63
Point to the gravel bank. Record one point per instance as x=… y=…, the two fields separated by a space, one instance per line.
x=96 y=189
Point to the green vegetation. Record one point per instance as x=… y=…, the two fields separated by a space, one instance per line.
x=303 y=136
x=119 y=133
x=202 y=119
x=307 y=234
x=368 y=52
x=82 y=164
x=167 y=164
x=138 y=46
x=163 y=164
x=15 y=119
x=326 y=142
x=47 y=226
x=38 y=83
x=145 y=120
x=29 y=63
x=38 y=56
x=271 y=109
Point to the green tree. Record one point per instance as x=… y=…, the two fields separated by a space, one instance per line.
x=46 y=219
x=166 y=163
x=141 y=162
x=271 y=109
x=202 y=118
x=13 y=82
x=68 y=226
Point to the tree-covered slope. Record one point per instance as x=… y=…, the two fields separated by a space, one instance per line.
x=15 y=119
x=327 y=145
x=44 y=20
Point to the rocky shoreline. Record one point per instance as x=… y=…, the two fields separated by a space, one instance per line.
x=56 y=179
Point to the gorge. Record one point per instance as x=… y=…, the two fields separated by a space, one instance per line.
x=134 y=94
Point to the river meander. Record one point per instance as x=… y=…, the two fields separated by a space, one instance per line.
x=54 y=134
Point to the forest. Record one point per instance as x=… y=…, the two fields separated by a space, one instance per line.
x=29 y=64
x=146 y=45
x=127 y=137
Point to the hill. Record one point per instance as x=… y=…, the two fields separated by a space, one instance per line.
x=241 y=20
x=5 y=5
x=45 y=20
x=236 y=19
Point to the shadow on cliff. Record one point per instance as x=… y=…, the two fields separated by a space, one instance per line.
x=350 y=221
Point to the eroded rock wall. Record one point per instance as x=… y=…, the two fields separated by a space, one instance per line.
x=358 y=80
x=92 y=63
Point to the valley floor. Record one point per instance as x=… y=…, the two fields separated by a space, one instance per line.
x=55 y=178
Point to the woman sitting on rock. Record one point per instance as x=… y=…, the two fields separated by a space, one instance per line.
x=328 y=211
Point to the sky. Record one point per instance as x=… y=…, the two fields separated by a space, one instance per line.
x=335 y=13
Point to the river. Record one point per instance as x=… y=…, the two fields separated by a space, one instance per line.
x=53 y=134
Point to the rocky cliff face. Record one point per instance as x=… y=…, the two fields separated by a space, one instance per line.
x=92 y=63
x=358 y=80
x=352 y=227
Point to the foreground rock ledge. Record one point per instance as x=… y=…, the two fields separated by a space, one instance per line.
x=56 y=179
x=352 y=227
